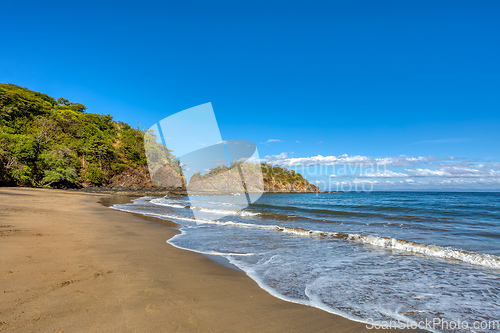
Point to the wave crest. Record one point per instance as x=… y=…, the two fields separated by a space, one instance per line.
x=474 y=258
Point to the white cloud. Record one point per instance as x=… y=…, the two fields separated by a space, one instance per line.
x=453 y=172
x=393 y=172
x=284 y=160
x=274 y=140
x=383 y=174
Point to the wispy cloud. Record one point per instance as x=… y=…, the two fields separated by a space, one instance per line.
x=452 y=171
x=489 y=184
x=383 y=174
x=273 y=140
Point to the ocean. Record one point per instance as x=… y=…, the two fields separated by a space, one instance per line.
x=405 y=257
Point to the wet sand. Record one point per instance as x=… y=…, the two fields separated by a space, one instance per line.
x=69 y=264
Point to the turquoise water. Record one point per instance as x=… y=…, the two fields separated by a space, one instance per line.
x=393 y=256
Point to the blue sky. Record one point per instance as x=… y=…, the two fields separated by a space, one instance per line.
x=376 y=79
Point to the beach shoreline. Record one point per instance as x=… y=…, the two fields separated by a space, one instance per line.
x=72 y=264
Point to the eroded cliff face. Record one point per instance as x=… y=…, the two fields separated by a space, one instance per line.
x=166 y=180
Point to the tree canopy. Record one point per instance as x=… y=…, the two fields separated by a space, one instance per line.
x=44 y=142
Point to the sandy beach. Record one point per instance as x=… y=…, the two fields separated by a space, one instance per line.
x=69 y=264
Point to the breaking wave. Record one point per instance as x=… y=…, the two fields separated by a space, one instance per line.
x=204 y=209
x=474 y=258
x=470 y=257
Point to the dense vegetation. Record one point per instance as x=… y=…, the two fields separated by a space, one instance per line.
x=44 y=142
x=282 y=177
x=55 y=143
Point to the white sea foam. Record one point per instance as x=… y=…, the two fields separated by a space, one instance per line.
x=225 y=211
x=173 y=205
x=474 y=258
x=234 y=211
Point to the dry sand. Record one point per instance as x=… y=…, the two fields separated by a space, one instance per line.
x=69 y=264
